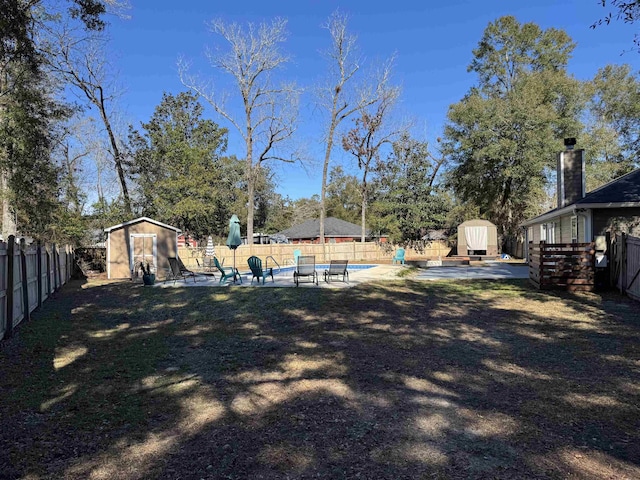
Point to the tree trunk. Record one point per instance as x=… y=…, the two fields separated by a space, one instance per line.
x=364 y=228
x=325 y=169
x=9 y=226
x=323 y=192
x=117 y=157
x=250 y=183
x=363 y=234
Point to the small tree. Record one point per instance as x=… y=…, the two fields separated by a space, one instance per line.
x=365 y=140
x=181 y=176
x=407 y=196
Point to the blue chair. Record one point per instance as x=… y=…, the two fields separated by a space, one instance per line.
x=255 y=264
x=296 y=254
x=226 y=272
x=399 y=256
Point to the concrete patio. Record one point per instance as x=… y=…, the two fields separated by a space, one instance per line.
x=486 y=270
x=285 y=279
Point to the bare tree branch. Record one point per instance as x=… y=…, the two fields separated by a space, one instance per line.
x=81 y=62
x=371 y=132
x=269 y=113
x=342 y=97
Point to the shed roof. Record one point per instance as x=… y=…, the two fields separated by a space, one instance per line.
x=333 y=227
x=476 y=222
x=142 y=219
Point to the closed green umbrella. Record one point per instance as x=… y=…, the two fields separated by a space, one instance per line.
x=234 y=240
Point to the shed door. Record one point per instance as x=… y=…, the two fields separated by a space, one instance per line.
x=143 y=249
x=476 y=238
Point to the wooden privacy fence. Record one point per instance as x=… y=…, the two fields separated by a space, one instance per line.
x=570 y=266
x=625 y=264
x=28 y=275
x=282 y=254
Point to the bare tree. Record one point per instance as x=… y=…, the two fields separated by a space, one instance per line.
x=25 y=52
x=370 y=133
x=341 y=98
x=269 y=112
x=82 y=64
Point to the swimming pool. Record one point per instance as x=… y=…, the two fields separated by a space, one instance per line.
x=320 y=268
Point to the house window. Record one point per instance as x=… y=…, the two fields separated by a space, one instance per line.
x=548 y=232
x=574 y=229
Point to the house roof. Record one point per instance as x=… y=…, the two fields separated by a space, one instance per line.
x=621 y=192
x=142 y=219
x=433 y=235
x=333 y=227
x=625 y=189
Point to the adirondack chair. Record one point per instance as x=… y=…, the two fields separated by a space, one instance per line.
x=296 y=254
x=226 y=272
x=178 y=270
x=398 y=257
x=337 y=268
x=255 y=265
x=306 y=268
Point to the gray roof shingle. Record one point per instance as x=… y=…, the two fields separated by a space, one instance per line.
x=625 y=189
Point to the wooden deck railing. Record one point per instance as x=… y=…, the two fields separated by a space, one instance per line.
x=569 y=266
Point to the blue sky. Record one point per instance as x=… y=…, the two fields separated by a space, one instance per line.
x=432 y=41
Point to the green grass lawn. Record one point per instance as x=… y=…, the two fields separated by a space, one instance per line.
x=469 y=379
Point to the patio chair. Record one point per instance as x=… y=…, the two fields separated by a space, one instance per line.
x=337 y=268
x=255 y=264
x=178 y=271
x=226 y=272
x=306 y=268
x=398 y=257
x=205 y=269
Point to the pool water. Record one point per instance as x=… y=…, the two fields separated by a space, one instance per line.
x=320 y=268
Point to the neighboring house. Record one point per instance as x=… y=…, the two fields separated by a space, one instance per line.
x=140 y=240
x=580 y=217
x=185 y=240
x=335 y=231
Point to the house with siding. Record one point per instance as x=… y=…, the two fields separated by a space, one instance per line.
x=582 y=217
x=335 y=231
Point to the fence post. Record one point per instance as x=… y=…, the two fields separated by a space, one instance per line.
x=623 y=264
x=54 y=266
x=10 y=249
x=39 y=271
x=48 y=270
x=25 y=286
x=67 y=256
x=541 y=266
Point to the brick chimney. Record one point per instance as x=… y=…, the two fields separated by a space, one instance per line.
x=570 y=178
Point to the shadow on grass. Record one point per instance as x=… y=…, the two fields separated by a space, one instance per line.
x=465 y=379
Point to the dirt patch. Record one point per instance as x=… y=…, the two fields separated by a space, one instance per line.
x=409 y=379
